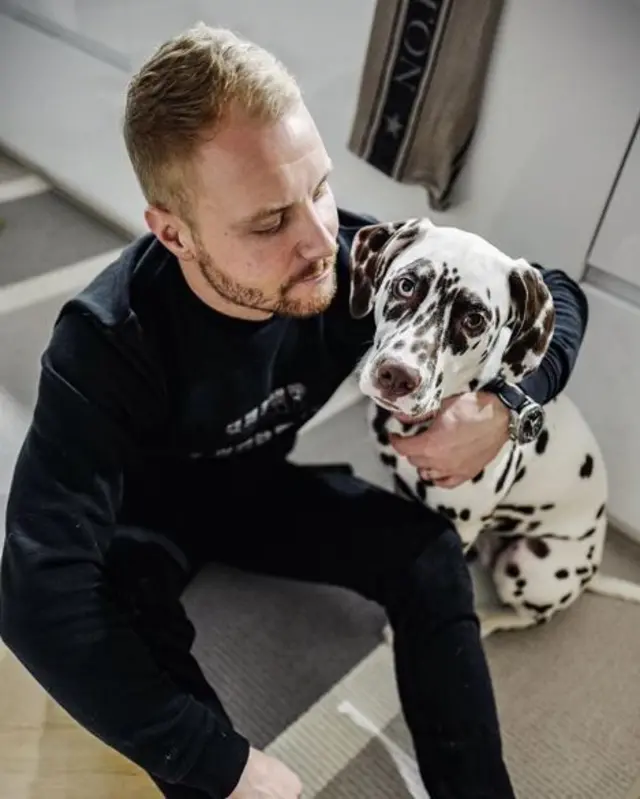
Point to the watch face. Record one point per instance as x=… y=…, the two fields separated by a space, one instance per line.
x=531 y=424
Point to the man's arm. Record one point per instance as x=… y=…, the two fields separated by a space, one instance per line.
x=572 y=316
x=56 y=614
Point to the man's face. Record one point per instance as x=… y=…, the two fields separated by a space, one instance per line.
x=265 y=223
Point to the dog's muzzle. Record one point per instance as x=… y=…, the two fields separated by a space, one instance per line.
x=394 y=380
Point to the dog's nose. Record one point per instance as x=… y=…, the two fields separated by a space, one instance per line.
x=394 y=380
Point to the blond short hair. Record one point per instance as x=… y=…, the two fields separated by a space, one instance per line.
x=185 y=90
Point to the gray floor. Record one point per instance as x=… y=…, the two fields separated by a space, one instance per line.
x=46 y=232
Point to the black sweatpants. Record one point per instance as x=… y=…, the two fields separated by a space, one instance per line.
x=322 y=524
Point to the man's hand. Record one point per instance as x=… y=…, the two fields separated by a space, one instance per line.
x=468 y=432
x=265 y=777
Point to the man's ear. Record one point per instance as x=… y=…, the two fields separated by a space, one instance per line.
x=171 y=231
x=373 y=249
x=531 y=319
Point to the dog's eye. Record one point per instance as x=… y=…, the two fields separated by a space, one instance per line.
x=474 y=322
x=405 y=287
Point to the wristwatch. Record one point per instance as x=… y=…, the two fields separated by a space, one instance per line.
x=526 y=416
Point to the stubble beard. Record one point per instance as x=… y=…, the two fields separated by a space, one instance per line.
x=283 y=303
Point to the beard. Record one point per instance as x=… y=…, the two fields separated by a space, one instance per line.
x=314 y=298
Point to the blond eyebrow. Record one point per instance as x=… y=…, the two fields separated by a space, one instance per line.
x=265 y=213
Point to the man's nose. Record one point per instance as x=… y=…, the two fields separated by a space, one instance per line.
x=316 y=240
x=394 y=380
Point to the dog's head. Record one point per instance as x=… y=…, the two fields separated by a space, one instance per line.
x=451 y=313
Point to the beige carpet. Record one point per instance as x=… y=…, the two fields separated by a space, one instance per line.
x=568 y=698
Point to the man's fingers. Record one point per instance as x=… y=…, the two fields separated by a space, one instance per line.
x=408 y=445
x=449 y=482
x=420 y=462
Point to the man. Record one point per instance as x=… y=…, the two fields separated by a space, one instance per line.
x=170 y=396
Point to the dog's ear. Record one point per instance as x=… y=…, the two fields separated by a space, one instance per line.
x=373 y=249
x=531 y=319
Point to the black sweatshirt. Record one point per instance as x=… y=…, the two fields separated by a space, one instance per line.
x=144 y=393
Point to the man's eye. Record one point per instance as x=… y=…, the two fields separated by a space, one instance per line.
x=269 y=231
x=320 y=190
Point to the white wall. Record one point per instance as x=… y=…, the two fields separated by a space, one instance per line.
x=560 y=108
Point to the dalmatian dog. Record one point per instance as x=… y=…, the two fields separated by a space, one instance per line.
x=452 y=313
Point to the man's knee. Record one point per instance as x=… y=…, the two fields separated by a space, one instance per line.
x=436 y=583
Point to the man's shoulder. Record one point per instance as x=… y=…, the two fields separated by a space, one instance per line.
x=110 y=297
x=99 y=326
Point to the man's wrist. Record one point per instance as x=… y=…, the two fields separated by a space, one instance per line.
x=499 y=411
x=526 y=416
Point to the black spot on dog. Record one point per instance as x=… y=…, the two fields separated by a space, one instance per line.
x=520 y=474
x=586 y=470
x=521 y=582
x=472 y=554
x=538 y=547
x=584 y=581
x=512 y=570
x=525 y=510
x=565 y=598
x=600 y=511
x=478 y=477
x=473 y=384
x=590 y=553
x=533 y=526
x=588 y=534
x=389 y=460
x=380 y=419
x=548 y=506
x=562 y=574
x=439 y=380
x=583 y=570
x=518 y=593
x=505 y=472
x=449 y=512
x=465 y=514
x=504 y=524
x=542 y=441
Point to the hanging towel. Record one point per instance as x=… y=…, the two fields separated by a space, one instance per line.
x=421 y=89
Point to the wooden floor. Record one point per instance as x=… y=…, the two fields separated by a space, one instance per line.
x=44 y=754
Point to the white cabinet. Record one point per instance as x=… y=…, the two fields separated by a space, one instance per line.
x=616 y=249
x=606 y=382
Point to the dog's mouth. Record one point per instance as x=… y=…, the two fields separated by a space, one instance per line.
x=417 y=417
